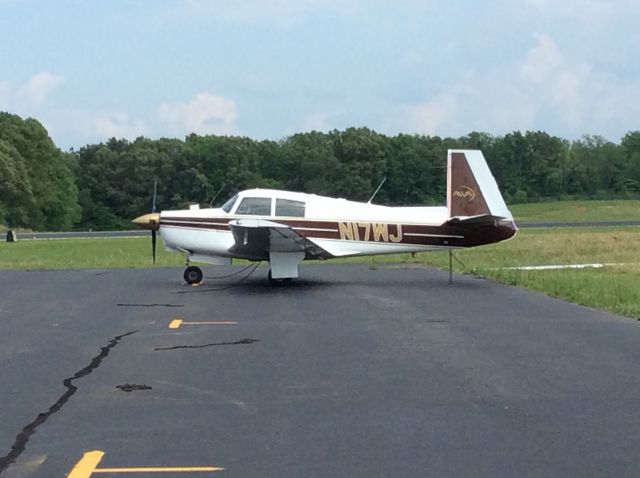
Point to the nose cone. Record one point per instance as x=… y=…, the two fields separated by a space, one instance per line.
x=148 y=221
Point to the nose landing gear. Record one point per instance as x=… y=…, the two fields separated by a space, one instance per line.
x=192 y=275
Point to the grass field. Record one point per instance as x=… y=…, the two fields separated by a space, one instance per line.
x=94 y=253
x=613 y=288
x=576 y=211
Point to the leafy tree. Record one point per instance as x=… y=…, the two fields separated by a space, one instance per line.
x=50 y=200
x=631 y=142
x=307 y=162
x=631 y=173
x=362 y=154
x=530 y=165
x=16 y=195
x=602 y=167
x=44 y=188
x=415 y=170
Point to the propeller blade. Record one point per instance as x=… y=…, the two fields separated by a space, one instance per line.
x=155 y=193
x=153 y=244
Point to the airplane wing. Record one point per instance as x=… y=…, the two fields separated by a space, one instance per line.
x=258 y=238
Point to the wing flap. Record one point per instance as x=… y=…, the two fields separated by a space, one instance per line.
x=258 y=238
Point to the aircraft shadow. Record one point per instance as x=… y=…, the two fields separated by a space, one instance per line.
x=261 y=285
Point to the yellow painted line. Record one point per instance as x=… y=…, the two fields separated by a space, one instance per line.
x=87 y=464
x=176 y=469
x=90 y=460
x=176 y=323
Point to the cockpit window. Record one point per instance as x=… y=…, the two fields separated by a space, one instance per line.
x=289 y=208
x=255 y=207
x=226 y=207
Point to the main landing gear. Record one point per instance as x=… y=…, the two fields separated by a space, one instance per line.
x=283 y=281
x=192 y=275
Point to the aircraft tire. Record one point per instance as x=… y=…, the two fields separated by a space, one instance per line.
x=283 y=281
x=192 y=275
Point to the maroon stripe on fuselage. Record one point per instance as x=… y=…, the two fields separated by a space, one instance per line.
x=224 y=220
x=445 y=235
x=194 y=225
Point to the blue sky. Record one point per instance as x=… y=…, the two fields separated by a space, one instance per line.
x=89 y=70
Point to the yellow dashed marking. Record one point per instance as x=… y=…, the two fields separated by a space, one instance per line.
x=178 y=469
x=87 y=466
x=176 y=323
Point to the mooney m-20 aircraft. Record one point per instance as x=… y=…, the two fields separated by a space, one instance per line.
x=286 y=228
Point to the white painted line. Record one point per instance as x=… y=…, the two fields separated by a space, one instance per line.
x=564 y=266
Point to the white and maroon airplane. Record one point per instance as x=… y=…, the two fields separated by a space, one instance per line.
x=286 y=228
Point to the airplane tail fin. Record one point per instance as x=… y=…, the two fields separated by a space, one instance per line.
x=472 y=192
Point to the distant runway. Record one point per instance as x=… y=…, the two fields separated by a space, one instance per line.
x=531 y=225
x=350 y=372
x=79 y=234
x=140 y=233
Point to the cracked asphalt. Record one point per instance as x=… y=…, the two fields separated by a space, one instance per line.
x=349 y=372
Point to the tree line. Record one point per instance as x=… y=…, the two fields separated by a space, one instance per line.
x=103 y=186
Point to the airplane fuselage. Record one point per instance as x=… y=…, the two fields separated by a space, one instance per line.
x=348 y=228
x=285 y=227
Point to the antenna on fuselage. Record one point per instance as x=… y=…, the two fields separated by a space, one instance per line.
x=217 y=194
x=377 y=189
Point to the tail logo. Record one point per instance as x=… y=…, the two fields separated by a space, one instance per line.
x=465 y=192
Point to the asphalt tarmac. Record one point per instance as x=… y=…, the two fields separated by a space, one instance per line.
x=349 y=372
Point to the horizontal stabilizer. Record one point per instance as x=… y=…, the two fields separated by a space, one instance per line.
x=482 y=219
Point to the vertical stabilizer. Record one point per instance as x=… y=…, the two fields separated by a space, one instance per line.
x=471 y=188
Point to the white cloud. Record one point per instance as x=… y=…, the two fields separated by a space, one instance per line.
x=73 y=127
x=563 y=84
x=435 y=115
x=117 y=125
x=542 y=60
x=33 y=93
x=39 y=87
x=320 y=121
x=543 y=90
x=204 y=114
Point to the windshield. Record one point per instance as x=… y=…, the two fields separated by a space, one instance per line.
x=287 y=207
x=255 y=207
x=226 y=207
